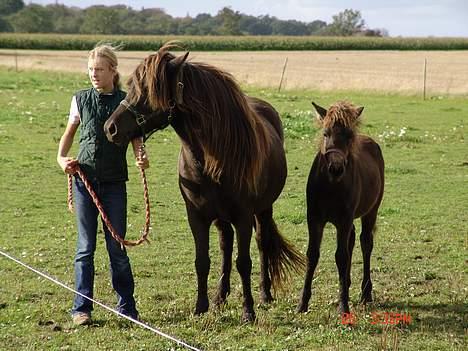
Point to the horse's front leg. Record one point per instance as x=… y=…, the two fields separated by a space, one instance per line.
x=343 y=262
x=244 y=264
x=200 y=231
x=226 y=241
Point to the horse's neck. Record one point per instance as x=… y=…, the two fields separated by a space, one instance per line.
x=188 y=143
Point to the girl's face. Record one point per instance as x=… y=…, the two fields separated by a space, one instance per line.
x=101 y=74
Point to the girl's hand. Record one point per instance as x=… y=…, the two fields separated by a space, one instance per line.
x=142 y=160
x=68 y=164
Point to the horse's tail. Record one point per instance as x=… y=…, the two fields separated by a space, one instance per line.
x=283 y=257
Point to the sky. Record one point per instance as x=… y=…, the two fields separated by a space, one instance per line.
x=411 y=18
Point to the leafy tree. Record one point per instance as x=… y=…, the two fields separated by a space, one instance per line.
x=122 y=19
x=316 y=27
x=9 y=7
x=230 y=21
x=346 y=23
x=65 y=19
x=100 y=20
x=205 y=24
x=32 y=19
x=256 y=25
x=157 y=21
x=291 y=27
x=5 y=25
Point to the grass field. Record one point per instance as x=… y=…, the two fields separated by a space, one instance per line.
x=419 y=264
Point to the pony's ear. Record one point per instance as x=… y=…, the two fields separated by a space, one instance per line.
x=320 y=110
x=359 y=111
x=177 y=62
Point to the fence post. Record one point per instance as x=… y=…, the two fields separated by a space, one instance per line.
x=282 y=74
x=424 y=79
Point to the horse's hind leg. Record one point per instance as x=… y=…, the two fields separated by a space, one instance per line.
x=244 y=264
x=367 y=244
x=263 y=238
x=226 y=241
x=313 y=254
x=200 y=230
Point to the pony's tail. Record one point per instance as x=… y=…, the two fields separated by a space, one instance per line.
x=283 y=258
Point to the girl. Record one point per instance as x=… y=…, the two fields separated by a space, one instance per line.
x=105 y=167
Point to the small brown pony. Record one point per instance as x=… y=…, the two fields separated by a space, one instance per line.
x=346 y=181
x=232 y=165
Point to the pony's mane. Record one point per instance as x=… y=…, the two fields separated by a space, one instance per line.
x=343 y=113
x=218 y=116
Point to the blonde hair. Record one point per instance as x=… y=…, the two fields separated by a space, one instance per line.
x=108 y=52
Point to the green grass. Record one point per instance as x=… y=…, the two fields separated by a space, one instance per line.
x=418 y=265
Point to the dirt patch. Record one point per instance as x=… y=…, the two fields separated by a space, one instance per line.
x=383 y=71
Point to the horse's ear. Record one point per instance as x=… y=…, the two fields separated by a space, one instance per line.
x=359 y=111
x=320 y=110
x=177 y=62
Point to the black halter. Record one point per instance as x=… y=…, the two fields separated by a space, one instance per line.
x=142 y=119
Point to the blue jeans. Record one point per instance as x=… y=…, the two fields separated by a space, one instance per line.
x=113 y=196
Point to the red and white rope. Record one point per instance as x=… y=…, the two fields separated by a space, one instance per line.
x=115 y=235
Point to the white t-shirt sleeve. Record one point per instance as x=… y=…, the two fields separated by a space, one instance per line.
x=74 y=116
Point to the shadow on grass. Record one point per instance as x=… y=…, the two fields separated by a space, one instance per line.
x=449 y=318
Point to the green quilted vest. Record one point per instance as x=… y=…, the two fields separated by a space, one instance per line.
x=100 y=160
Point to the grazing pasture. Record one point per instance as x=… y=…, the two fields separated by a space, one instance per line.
x=418 y=262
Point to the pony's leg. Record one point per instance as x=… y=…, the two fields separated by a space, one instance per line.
x=352 y=240
x=367 y=244
x=244 y=265
x=226 y=240
x=263 y=238
x=342 y=259
x=200 y=231
x=313 y=254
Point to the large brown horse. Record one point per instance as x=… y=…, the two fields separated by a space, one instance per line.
x=232 y=165
x=346 y=181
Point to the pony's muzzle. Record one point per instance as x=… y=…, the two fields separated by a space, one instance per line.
x=336 y=169
x=336 y=160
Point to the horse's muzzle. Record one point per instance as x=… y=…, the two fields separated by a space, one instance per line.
x=336 y=169
x=336 y=163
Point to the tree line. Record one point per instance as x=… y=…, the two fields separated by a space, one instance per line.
x=17 y=17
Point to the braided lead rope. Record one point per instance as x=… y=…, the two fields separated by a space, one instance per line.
x=120 y=240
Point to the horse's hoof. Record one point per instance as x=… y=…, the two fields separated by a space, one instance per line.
x=343 y=308
x=365 y=299
x=302 y=308
x=248 y=317
x=266 y=298
x=201 y=309
x=219 y=302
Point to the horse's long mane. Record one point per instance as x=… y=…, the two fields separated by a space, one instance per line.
x=346 y=114
x=233 y=137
